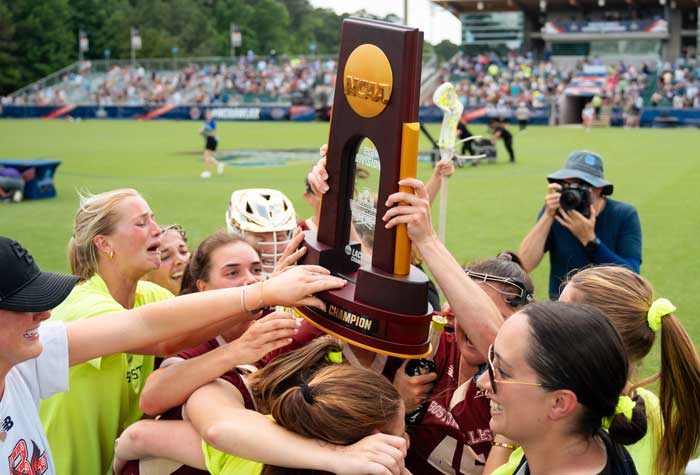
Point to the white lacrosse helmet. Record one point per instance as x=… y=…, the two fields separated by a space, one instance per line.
x=266 y=215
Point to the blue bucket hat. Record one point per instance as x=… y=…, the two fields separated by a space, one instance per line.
x=586 y=166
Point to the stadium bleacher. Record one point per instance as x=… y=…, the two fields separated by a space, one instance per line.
x=489 y=81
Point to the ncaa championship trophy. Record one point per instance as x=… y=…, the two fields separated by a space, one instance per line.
x=373 y=144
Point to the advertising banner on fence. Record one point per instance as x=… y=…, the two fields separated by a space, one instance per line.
x=648 y=26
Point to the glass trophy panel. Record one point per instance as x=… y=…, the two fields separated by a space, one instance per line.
x=363 y=204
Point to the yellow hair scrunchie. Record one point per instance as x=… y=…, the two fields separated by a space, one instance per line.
x=625 y=405
x=335 y=357
x=658 y=310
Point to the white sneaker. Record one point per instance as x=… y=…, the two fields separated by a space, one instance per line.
x=220 y=168
x=17 y=196
x=205 y=174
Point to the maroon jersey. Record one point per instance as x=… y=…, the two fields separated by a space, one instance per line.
x=233 y=376
x=454 y=435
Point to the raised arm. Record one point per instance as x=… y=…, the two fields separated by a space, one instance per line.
x=442 y=169
x=532 y=247
x=236 y=430
x=171 y=385
x=469 y=303
x=123 y=331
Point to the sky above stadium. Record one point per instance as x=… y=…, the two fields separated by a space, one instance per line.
x=436 y=22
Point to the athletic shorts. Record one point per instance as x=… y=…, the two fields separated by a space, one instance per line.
x=211 y=144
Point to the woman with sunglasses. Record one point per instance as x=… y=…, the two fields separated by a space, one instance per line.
x=454 y=431
x=671 y=420
x=551 y=385
x=174 y=257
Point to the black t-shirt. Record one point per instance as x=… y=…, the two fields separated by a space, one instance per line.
x=505 y=135
x=619 y=461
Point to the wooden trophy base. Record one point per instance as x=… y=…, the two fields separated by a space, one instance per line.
x=400 y=327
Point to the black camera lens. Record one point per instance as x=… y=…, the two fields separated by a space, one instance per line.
x=570 y=199
x=576 y=196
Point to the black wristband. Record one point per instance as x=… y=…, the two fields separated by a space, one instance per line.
x=592 y=246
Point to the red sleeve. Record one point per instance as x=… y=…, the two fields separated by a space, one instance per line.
x=236 y=380
x=307 y=332
x=198 y=350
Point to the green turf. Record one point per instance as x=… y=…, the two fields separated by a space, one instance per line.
x=491 y=207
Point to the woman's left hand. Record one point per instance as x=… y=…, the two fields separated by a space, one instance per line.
x=412 y=209
x=296 y=286
x=292 y=253
x=377 y=454
x=262 y=337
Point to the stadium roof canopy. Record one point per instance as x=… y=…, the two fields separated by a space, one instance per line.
x=457 y=7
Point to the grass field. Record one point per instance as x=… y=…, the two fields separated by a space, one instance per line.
x=491 y=207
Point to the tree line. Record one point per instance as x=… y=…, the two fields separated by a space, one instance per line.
x=38 y=37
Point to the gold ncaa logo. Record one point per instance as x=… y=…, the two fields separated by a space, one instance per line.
x=367 y=80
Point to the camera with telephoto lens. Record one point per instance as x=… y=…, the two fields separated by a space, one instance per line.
x=576 y=196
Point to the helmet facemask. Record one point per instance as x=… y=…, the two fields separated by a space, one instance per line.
x=267 y=216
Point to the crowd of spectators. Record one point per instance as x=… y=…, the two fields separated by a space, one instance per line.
x=663 y=85
x=491 y=80
x=269 y=79
x=677 y=84
x=498 y=82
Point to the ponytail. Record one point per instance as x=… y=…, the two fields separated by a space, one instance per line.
x=679 y=393
x=627 y=300
x=290 y=370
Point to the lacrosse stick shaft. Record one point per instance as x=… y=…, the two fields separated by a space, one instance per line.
x=443 y=209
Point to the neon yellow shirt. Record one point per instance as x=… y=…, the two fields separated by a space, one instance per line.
x=511 y=465
x=221 y=463
x=103 y=398
x=644 y=452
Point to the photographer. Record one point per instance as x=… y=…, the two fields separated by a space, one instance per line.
x=579 y=225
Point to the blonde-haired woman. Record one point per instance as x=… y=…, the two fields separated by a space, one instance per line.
x=115 y=243
x=673 y=419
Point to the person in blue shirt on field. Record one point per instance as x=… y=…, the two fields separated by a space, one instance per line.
x=610 y=234
x=208 y=130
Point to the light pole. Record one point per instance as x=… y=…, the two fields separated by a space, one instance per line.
x=135 y=44
x=83 y=44
x=236 y=39
x=174 y=51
